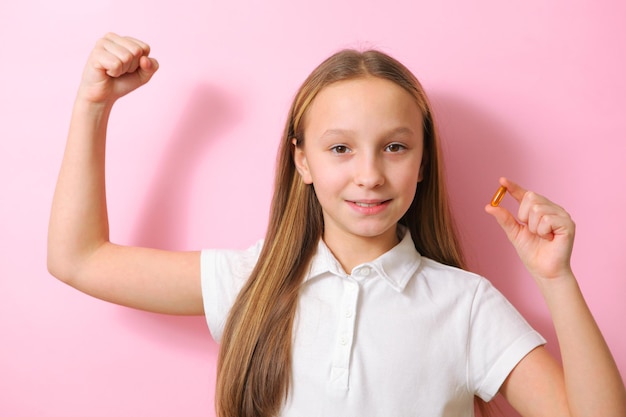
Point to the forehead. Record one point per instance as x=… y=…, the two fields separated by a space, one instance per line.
x=363 y=103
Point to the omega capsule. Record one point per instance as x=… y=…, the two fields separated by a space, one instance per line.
x=498 y=196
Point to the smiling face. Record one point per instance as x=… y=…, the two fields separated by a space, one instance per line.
x=362 y=153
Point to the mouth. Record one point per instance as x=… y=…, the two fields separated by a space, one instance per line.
x=369 y=207
x=364 y=204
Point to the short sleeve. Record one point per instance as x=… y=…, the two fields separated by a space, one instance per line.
x=223 y=274
x=499 y=338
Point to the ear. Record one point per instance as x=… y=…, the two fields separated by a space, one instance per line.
x=420 y=175
x=423 y=165
x=299 y=159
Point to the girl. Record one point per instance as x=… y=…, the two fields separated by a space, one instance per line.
x=355 y=303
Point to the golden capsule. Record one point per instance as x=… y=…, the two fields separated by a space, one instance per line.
x=498 y=196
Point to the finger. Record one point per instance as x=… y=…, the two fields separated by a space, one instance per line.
x=545 y=226
x=534 y=206
x=516 y=191
x=104 y=61
x=129 y=42
x=136 y=48
x=538 y=222
x=530 y=211
x=124 y=60
x=125 y=54
x=145 y=48
x=110 y=58
x=548 y=220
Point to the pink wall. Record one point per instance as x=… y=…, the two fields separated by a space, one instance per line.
x=533 y=90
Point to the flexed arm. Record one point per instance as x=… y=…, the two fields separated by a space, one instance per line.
x=79 y=250
x=589 y=384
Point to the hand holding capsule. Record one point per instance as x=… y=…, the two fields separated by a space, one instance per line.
x=544 y=235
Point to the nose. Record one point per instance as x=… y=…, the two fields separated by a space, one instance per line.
x=369 y=172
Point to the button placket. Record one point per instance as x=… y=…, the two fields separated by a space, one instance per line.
x=345 y=339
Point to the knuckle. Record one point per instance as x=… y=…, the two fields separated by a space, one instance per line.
x=101 y=42
x=126 y=57
x=116 y=67
x=135 y=50
x=532 y=196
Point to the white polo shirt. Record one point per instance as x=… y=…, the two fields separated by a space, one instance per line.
x=399 y=336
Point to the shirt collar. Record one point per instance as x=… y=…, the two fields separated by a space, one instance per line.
x=396 y=266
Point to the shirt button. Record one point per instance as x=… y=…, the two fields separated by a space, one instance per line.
x=343 y=340
x=348 y=314
x=365 y=271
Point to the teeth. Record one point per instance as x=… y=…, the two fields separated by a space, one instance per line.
x=366 y=204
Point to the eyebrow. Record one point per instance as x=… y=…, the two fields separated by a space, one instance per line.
x=347 y=132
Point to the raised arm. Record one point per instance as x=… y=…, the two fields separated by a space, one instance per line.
x=79 y=251
x=588 y=383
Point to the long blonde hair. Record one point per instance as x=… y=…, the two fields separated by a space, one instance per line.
x=254 y=364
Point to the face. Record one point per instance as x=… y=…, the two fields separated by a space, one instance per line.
x=362 y=151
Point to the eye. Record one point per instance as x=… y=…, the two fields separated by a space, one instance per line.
x=395 y=147
x=340 y=149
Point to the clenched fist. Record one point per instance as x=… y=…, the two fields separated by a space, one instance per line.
x=116 y=66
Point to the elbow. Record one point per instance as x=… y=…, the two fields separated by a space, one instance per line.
x=59 y=268
x=63 y=264
x=74 y=267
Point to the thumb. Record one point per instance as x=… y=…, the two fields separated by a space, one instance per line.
x=147 y=67
x=505 y=219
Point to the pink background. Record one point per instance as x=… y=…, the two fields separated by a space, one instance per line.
x=534 y=90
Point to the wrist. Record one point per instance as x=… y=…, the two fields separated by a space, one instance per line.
x=557 y=286
x=94 y=109
x=96 y=95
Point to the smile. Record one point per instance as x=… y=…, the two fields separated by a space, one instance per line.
x=358 y=203
x=369 y=207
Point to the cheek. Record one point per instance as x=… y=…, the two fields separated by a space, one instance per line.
x=325 y=174
x=407 y=173
x=324 y=183
x=328 y=185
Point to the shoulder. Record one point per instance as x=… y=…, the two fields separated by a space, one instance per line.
x=459 y=286
x=439 y=274
x=233 y=262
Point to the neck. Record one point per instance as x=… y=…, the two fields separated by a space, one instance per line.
x=352 y=250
